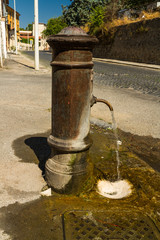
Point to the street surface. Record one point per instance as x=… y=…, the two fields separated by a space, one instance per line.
x=25 y=104
x=119 y=76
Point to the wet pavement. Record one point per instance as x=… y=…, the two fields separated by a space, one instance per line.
x=25 y=126
x=87 y=215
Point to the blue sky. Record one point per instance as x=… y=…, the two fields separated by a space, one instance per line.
x=47 y=10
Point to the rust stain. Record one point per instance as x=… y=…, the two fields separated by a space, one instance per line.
x=71 y=89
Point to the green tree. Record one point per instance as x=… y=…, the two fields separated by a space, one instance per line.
x=136 y=3
x=96 y=19
x=112 y=9
x=29 y=27
x=24 y=40
x=78 y=12
x=54 y=26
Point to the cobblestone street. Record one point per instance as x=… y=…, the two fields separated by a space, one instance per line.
x=144 y=80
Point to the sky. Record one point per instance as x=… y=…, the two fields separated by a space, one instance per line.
x=47 y=10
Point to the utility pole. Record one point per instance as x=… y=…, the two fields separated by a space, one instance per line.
x=1 y=59
x=28 y=39
x=36 y=35
x=15 y=26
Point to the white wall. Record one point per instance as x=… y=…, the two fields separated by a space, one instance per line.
x=43 y=44
x=4 y=49
x=41 y=28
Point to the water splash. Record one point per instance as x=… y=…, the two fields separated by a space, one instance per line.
x=114 y=190
x=118 y=143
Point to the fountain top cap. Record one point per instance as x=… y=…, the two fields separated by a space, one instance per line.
x=72 y=38
x=72 y=31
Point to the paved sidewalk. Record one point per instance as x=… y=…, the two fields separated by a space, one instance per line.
x=24 y=102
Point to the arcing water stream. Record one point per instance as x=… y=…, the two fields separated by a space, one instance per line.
x=120 y=188
x=114 y=127
x=118 y=143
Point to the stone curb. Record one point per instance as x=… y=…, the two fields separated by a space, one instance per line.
x=144 y=65
x=134 y=64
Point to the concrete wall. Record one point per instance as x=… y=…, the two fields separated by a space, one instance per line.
x=137 y=42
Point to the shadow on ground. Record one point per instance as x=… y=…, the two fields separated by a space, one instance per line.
x=25 y=65
x=33 y=149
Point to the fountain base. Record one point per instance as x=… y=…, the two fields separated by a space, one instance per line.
x=66 y=172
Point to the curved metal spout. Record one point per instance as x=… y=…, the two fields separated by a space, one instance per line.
x=95 y=100
x=106 y=102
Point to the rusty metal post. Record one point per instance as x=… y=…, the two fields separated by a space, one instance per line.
x=71 y=95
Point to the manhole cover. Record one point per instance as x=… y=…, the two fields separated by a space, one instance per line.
x=79 y=225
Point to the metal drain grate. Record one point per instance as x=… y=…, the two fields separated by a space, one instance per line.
x=88 y=226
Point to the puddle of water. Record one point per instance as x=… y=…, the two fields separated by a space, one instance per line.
x=33 y=149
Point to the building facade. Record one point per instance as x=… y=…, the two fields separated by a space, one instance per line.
x=3 y=28
x=43 y=45
x=11 y=27
x=26 y=40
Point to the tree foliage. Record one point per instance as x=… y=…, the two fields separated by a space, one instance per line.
x=102 y=15
x=78 y=12
x=54 y=26
x=29 y=27
x=96 y=19
x=136 y=3
x=24 y=40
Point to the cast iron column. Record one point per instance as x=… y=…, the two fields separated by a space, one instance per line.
x=71 y=96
